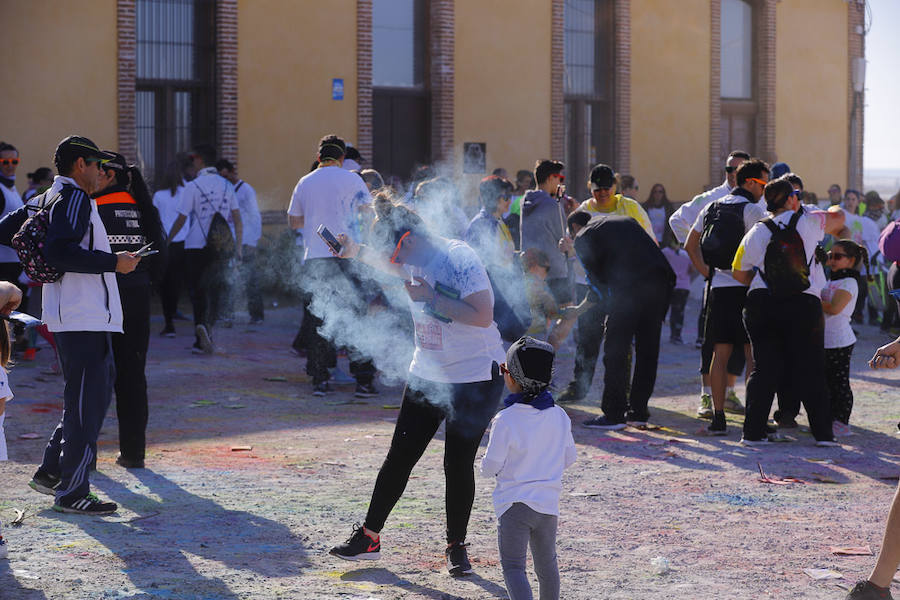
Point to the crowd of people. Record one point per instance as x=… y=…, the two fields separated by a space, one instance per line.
x=486 y=301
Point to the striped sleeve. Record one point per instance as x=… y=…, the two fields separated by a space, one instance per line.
x=70 y=219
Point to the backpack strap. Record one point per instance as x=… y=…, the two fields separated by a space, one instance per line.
x=770 y=225
x=238 y=186
x=792 y=224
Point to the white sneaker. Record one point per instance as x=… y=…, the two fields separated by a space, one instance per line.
x=705 y=410
x=763 y=442
x=827 y=444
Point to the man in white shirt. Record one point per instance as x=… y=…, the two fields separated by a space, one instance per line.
x=330 y=196
x=725 y=304
x=205 y=269
x=252 y=222
x=681 y=222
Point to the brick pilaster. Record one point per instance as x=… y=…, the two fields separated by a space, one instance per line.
x=227 y=78
x=557 y=71
x=856 y=48
x=363 y=140
x=622 y=86
x=442 y=82
x=766 y=80
x=715 y=93
x=126 y=37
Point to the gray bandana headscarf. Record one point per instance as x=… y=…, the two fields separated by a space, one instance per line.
x=529 y=385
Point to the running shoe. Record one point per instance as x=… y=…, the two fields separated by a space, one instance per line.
x=88 y=504
x=705 y=410
x=321 y=389
x=638 y=421
x=44 y=483
x=827 y=444
x=718 y=426
x=204 y=341
x=366 y=390
x=866 y=590
x=359 y=546
x=603 y=422
x=168 y=331
x=458 y=559
x=733 y=404
x=750 y=442
x=841 y=429
x=130 y=463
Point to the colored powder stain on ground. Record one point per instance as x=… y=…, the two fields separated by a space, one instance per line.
x=205 y=521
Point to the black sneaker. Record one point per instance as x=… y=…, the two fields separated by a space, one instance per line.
x=366 y=391
x=569 y=395
x=44 y=483
x=602 y=422
x=718 y=425
x=866 y=590
x=86 y=505
x=358 y=547
x=320 y=389
x=638 y=421
x=458 y=559
x=130 y=463
x=168 y=331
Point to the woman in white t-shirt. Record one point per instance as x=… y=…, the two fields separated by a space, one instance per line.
x=785 y=326
x=454 y=374
x=166 y=201
x=838 y=300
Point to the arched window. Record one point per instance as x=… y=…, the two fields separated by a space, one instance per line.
x=588 y=88
x=738 y=62
x=175 y=78
x=401 y=115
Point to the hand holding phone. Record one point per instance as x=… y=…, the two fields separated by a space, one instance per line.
x=330 y=240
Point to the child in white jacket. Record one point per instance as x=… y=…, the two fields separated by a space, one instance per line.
x=530 y=446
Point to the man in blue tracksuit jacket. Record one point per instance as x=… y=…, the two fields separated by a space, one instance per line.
x=82 y=309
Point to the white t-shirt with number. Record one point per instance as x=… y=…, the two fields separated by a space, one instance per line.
x=838 y=332
x=752 y=251
x=753 y=212
x=453 y=352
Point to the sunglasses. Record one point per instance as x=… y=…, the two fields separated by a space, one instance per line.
x=9 y=161
x=397 y=249
x=759 y=181
x=561 y=176
x=730 y=169
x=837 y=255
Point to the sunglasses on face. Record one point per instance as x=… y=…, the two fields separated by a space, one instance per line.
x=759 y=181
x=9 y=161
x=730 y=169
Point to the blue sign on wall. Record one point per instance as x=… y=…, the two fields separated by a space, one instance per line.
x=337 y=89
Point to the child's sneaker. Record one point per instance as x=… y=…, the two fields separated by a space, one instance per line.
x=86 y=505
x=358 y=546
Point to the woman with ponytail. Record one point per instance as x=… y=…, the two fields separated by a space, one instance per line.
x=131 y=222
x=838 y=300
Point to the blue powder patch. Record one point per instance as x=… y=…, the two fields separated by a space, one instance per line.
x=735 y=499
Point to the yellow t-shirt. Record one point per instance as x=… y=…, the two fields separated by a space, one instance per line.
x=626 y=207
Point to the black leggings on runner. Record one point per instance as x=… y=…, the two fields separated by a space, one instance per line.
x=468 y=409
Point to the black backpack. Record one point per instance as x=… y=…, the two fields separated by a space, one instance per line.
x=786 y=266
x=218 y=239
x=723 y=230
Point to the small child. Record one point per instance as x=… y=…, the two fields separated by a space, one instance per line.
x=529 y=448
x=838 y=302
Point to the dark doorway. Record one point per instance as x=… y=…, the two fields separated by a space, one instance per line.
x=401 y=127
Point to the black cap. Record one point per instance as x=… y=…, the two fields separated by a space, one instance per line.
x=602 y=176
x=78 y=146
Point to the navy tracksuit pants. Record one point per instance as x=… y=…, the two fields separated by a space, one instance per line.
x=87 y=365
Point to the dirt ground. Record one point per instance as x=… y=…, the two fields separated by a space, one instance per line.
x=250 y=480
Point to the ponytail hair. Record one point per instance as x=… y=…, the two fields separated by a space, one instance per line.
x=858 y=253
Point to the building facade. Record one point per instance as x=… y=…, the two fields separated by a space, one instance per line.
x=656 y=88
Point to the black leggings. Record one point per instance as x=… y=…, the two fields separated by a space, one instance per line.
x=468 y=409
x=837 y=382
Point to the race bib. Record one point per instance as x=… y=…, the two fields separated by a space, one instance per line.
x=429 y=336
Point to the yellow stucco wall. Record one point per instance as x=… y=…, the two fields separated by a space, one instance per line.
x=502 y=82
x=811 y=104
x=670 y=71
x=60 y=76
x=288 y=53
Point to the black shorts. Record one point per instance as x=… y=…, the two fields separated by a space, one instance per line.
x=725 y=318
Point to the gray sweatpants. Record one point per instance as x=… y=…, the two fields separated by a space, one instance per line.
x=518 y=526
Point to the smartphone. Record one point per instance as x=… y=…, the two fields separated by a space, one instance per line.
x=140 y=251
x=329 y=239
x=147 y=253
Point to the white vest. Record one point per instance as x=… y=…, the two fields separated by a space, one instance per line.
x=84 y=301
